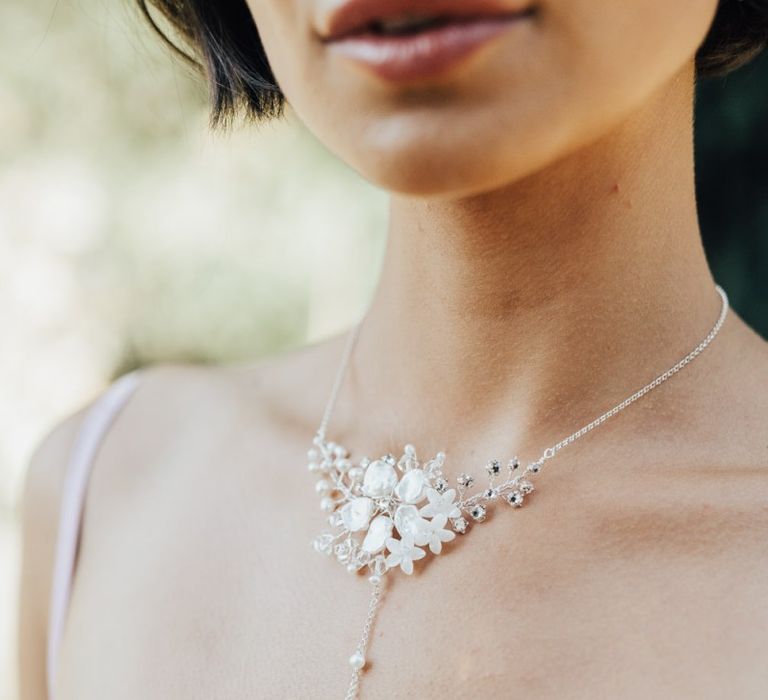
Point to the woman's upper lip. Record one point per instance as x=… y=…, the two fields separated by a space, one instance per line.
x=350 y=16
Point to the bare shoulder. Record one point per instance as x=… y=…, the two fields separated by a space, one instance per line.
x=273 y=395
x=186 y=420
x=729 y=436
x=717 y=510
x=180 y=402
x=177 y=410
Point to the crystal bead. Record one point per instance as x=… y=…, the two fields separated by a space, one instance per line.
x=343 y=551
x=514 y=463
x=411 y=486
x=466 y=480
x=515 y=498
x=356 y=514
x=525 y=486
x=360 y=559
x=323 y=544
x=380 y=479
x=478 y=513
x=460 y=524
x=406 y=463
x=534 y=467
x=441 y=485
x=379 y=565
x=493 y=467
x=389 y=458
x=490 y=494
x=435 y=465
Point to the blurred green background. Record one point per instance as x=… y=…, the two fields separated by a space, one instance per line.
x=131 y=234
x=732 y=181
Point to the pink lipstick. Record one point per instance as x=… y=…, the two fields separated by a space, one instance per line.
x=420 y=42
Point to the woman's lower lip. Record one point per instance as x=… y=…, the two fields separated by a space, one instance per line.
x=425 y=54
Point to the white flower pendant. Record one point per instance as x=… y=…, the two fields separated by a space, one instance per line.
x=384 y=514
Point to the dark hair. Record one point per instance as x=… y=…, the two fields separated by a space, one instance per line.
x=223 y=43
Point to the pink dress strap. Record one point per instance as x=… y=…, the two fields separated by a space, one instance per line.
x=96 y=422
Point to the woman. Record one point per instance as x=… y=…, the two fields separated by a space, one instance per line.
x=543 y=263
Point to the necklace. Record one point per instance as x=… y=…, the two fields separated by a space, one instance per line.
x=383 y=512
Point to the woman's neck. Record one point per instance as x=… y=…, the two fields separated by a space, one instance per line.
x=545 y=301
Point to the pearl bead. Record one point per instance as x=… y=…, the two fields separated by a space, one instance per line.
x=357 y=661
x=323 y=486
x=356 y=473
x=351 y=568
x=409 y=450
x=375 y=579
x=312 y=455
x=327 y=504
x=314 y=467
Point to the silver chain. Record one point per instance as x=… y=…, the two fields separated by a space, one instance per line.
x=376 y=595
x=554 y=449
x=340 y=373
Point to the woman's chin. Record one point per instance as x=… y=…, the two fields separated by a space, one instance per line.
x=442 y=170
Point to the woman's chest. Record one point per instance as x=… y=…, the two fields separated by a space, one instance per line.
x=227 y=600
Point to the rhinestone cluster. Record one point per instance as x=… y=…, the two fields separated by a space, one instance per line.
x=383 y=512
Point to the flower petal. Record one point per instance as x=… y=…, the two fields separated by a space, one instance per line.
x=439 y=521
x=394 y=546
x=393 y=560
x=428 y=511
